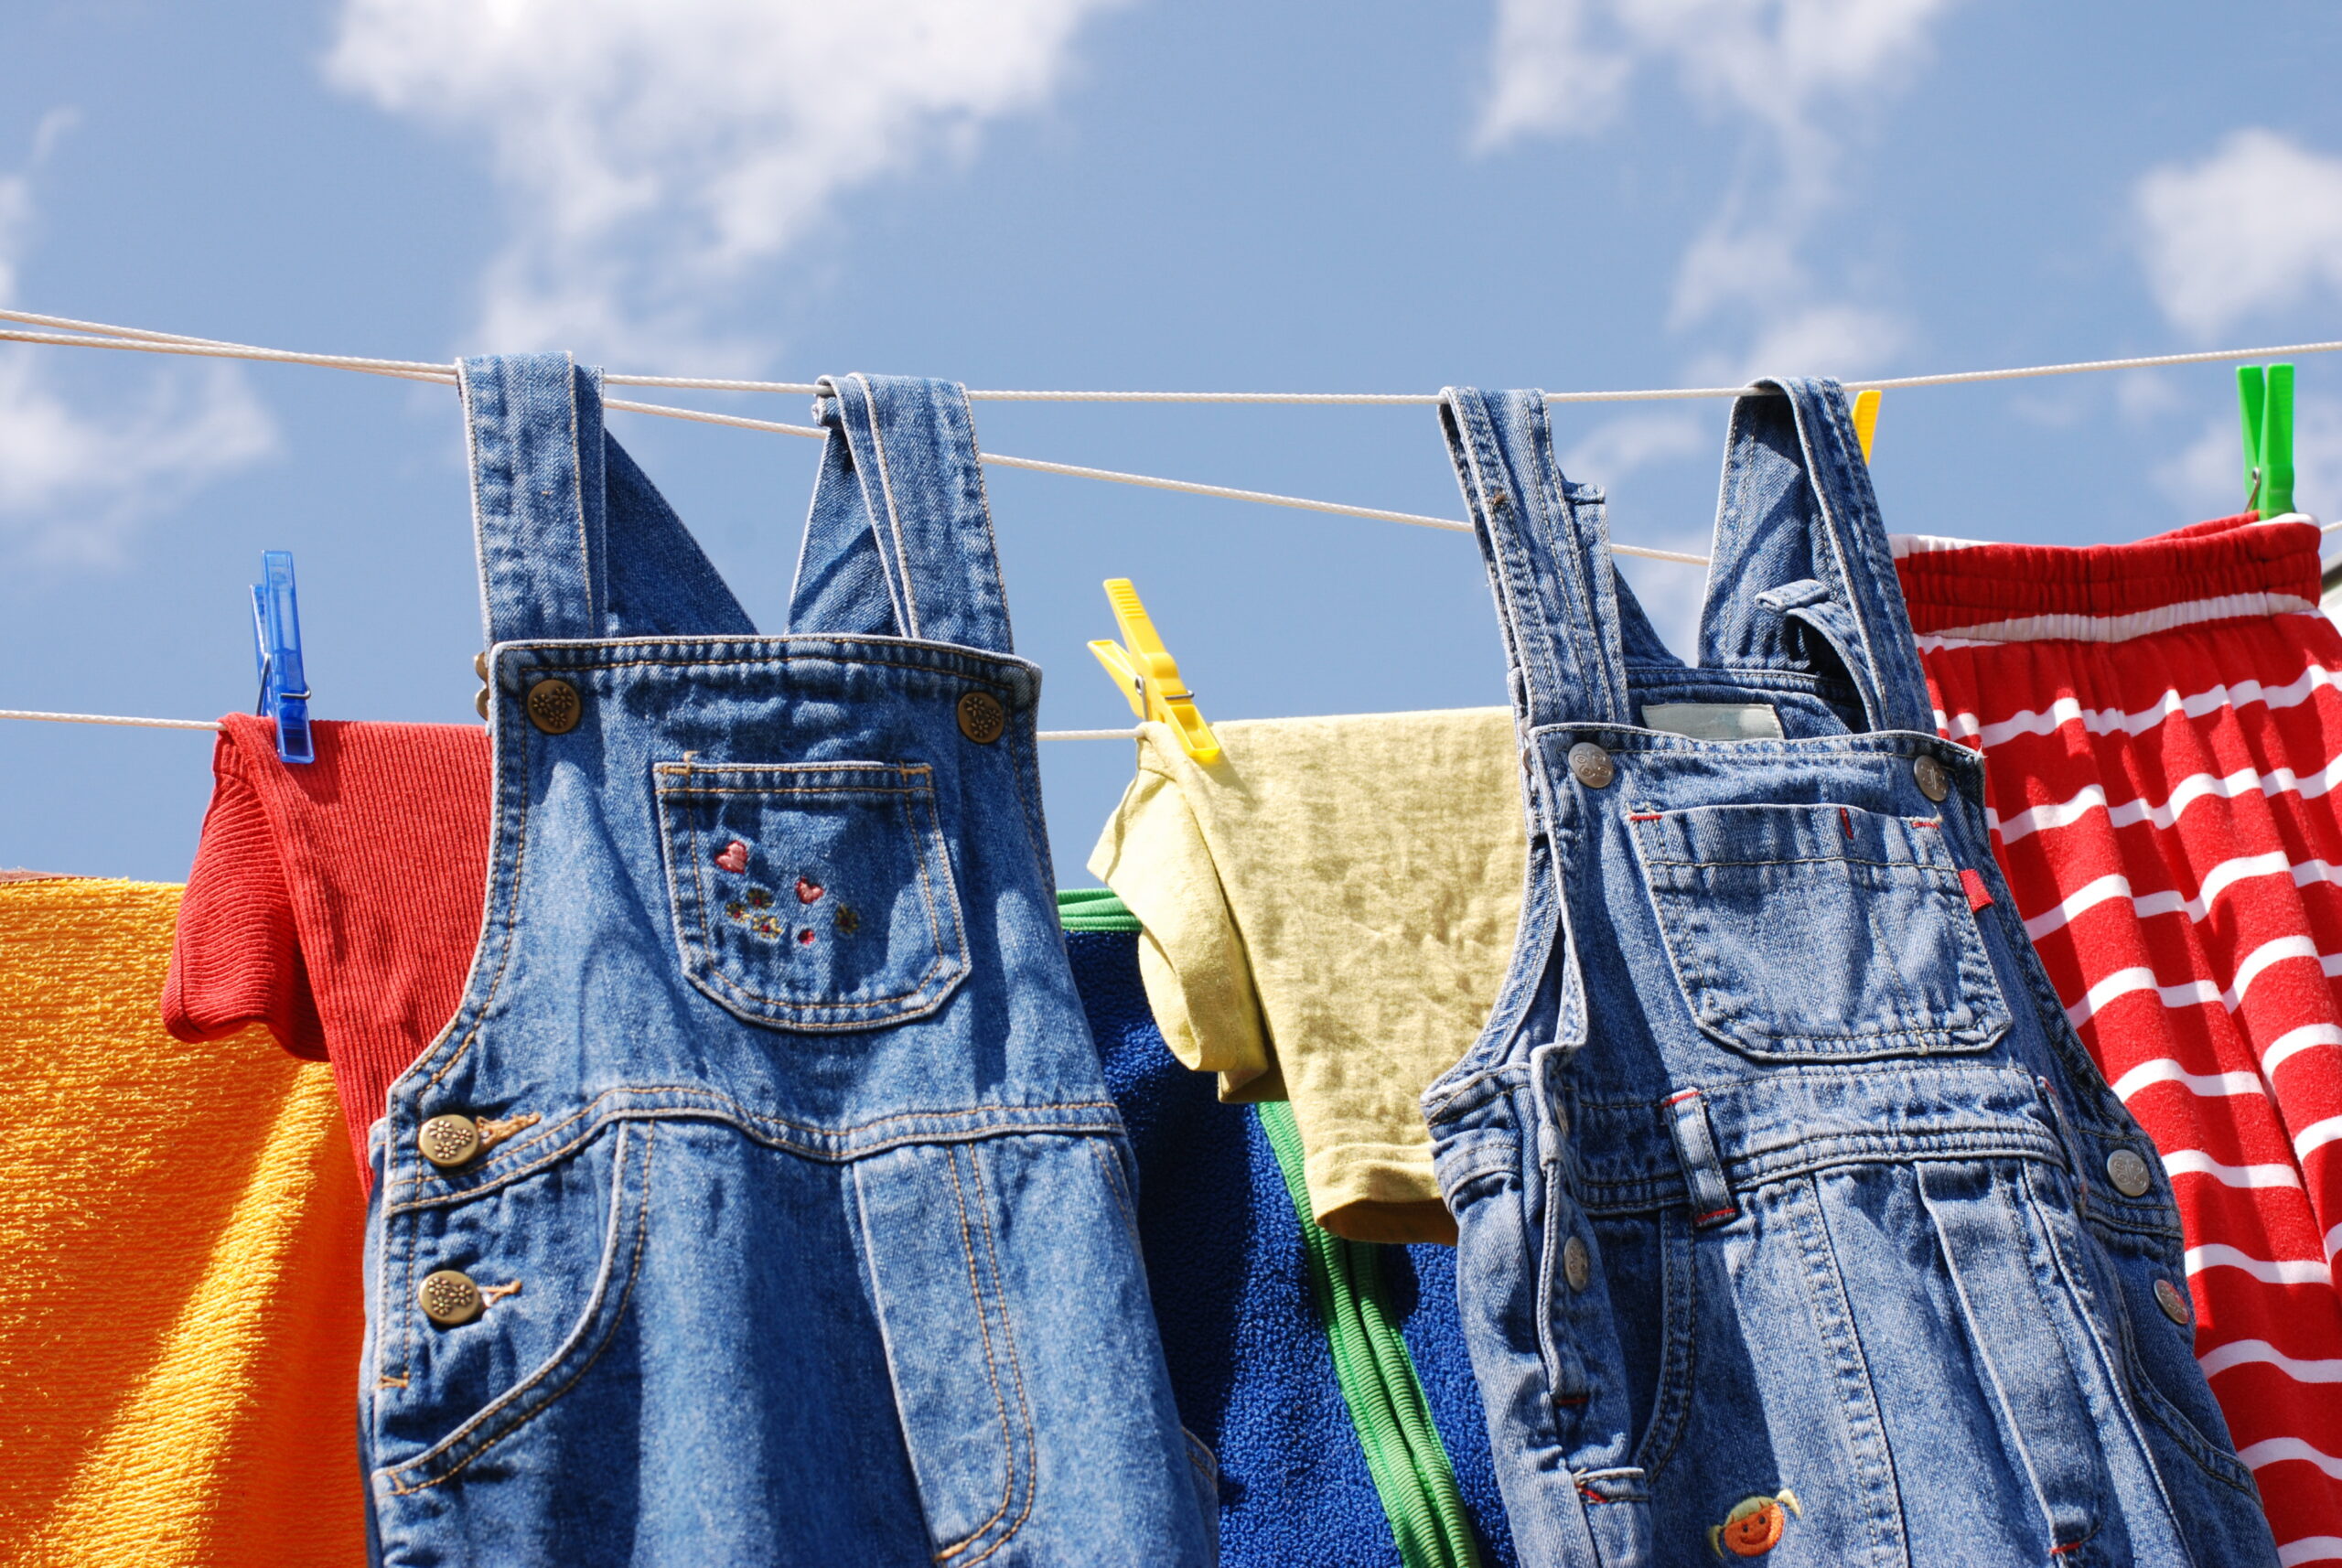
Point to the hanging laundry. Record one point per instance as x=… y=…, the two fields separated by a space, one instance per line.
x=1778 y=1174
x=2161 y=735
x=769 y=1076
x=337 y=902
x=1328 y=909
x=1330 y=1376
x=180 y=1314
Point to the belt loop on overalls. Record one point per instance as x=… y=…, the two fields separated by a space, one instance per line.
x=1695 y=1143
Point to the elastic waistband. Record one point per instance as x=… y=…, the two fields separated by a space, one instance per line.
x=1966 y=590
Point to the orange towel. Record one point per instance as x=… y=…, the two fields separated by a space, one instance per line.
x=180 y=1229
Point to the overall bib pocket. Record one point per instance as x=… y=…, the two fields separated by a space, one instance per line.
x=1805 y=933
x=812 y=896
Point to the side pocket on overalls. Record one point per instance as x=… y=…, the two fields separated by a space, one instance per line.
x=959 y=1365
x=497 y=1304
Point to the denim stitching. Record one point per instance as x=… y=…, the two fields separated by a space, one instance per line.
x=1015 y=1370
x=1111 y=1169
x=658 y=1113
x=991 y=1367
x=797 y=1011
x=2129 y=1375
x=610 y=1332
x=1829 y=1308
x=507 y=810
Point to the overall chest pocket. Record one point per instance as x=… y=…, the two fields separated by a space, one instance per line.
x=1820 y=932
x=813 y=896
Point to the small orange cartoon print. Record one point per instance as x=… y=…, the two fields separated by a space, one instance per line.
x=1755 y=1525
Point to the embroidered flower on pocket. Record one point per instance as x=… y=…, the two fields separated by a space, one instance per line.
x=1755 y=1525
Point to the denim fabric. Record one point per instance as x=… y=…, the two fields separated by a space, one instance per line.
x=803 y=1223
x=1781 y=1177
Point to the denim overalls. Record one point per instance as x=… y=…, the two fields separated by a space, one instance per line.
x=1795 y=1221
x=763 y=1202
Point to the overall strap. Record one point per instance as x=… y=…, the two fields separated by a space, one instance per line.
x=574 y=542
x=1546 y=544
x=899 y=541
x=1800 y=554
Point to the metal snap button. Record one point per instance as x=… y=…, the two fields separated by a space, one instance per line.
x=479 y=700
x=1592 y=765
x=448 y=1141
x=479 y=664
x=982 y=718
x=1577 y=1263
x=2129 y=1173
x=450 y=1299
x=1934 y=782
x=2173 y=1302
x=554 y=707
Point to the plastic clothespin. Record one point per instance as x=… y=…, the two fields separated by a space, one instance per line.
x=2265 y=406
x=1865 y=418
x=276 y=651
x=1149 y=676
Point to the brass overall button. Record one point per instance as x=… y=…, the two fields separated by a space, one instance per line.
x=450 y=1141
x=450 y=1299
x=982 y=718
x=1577 y=1263
x=2173 y=1302
x=553 y=706
x=2129 y=1173
x=1592 y=765
x=1934 y=782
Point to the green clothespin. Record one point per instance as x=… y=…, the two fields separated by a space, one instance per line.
x=2265 y=403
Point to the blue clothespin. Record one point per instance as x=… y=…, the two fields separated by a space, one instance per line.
x=276 y=651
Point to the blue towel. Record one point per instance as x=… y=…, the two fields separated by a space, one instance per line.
x=1249 y=1363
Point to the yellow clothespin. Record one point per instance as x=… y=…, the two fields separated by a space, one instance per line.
x=1149 y=676
x=1865 y=418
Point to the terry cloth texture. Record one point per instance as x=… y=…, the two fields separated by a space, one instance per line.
x=2163 y=736
x=179 y=1309
x=1229 y=1271
x=1329 y=908
x=337 y=902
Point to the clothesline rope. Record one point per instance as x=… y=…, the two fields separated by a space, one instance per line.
x=423 y=369
x=69 y=332
x=82 y=334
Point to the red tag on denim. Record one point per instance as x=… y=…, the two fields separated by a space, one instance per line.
x=1977 y=897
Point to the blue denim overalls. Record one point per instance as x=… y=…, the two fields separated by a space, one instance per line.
x=763 y=1202
x=1795 y=1222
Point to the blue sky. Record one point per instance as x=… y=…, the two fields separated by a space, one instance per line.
x=1084 y=193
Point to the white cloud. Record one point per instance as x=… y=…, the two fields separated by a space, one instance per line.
x=2206 y=476
x=1615 y=448
x=1793 y=71
x=74 y=485
x=1841 y=340
x=2255 y=227
x=1563 y=65
x=658 y=154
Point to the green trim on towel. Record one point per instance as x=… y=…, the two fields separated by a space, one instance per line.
x=1410 y=1466
x=1094 y=909
x=1412 y=1475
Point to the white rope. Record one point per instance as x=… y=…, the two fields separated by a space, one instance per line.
x=81 y=334
x=175 y=342
x=106 y=719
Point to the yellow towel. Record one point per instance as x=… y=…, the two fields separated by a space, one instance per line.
x=179 y=1282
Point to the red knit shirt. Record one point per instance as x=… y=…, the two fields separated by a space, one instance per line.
x=338 y=902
